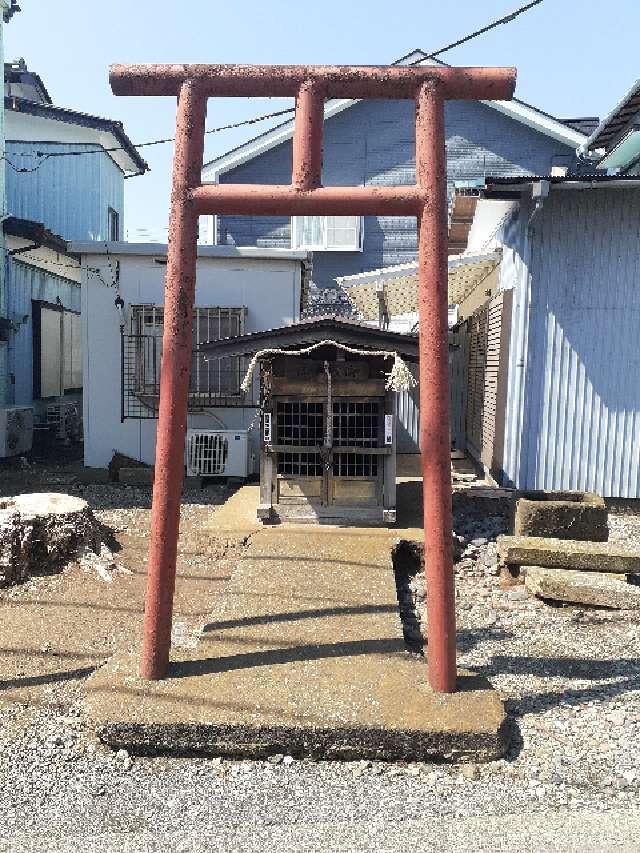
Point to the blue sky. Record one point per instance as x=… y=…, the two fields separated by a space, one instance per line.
x=574 y=57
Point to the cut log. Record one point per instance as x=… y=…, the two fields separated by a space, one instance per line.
x=40 y=533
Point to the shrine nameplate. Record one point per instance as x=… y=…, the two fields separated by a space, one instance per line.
x=350 y=371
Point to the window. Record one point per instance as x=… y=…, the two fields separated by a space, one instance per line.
x=57 y=351
x=212 y=380
x=113 y=225
x=327 y=233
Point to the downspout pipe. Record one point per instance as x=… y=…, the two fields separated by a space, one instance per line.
x=5 y=6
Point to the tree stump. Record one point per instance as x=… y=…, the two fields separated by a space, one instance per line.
x=40 y=533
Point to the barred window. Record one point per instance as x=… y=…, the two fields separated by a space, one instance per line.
x=212 y=381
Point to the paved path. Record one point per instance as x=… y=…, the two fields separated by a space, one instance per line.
x=304 y=654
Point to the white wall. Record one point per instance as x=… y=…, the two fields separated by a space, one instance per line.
x=268 y=287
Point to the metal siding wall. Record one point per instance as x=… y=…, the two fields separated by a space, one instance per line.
x=408 y=418
x=373 y=142
x=25 y=284
x=70 y=195
x=514 y=276
x=582 y=396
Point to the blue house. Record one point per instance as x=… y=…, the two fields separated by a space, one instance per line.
x=64 y=182
x=372 y=143
x=553 y=366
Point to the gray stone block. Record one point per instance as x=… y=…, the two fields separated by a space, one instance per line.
x=579 y=516
x=193 y=483
x=590 y=588
x=93 y=476
x=555 y=553
x=136 y=476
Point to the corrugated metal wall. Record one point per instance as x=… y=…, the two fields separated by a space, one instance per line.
x=70 y=195
x=26 y=283
x=408 y=417
x=373 y=142
x=581 y=391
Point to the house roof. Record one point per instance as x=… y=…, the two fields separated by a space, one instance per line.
x=585 y=125
x=130 y=161
x=613 y=125
x=508 y=187
x=10 y=11
x=35 y=232
x=159 y=250
x=463 y=208
x=315 y=330
x=561 y=130
x=399 y=284
x=20 y=82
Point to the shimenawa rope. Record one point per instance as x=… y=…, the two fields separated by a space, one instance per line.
x=399 y=377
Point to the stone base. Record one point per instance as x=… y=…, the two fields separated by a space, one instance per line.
x=302 y=654
x=264 y=513
x=196 y=713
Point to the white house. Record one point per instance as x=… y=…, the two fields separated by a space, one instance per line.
x=237 y=290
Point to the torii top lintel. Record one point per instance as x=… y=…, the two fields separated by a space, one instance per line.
x=335 y=81
x=311 y=85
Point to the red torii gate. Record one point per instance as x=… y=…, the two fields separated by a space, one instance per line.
x=311 y=85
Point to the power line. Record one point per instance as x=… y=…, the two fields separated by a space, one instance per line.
x=44 y=155
x=506 y=19
x=168 y=138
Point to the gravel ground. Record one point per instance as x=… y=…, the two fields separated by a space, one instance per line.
x=571 y=781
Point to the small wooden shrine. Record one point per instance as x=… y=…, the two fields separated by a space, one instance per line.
x=328 y=418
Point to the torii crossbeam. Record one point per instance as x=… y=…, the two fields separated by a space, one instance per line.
x=429 y=87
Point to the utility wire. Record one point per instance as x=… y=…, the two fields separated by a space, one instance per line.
x=506 y=19
x=171 y=138
x=44 y=155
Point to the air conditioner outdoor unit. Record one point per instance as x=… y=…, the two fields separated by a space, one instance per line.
x=64 y=417
x=217 y=453
x=16 y=430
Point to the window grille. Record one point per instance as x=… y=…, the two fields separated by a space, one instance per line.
x=356 y=423
x=212 y=381
x=354 y=465
x=300 y=464
x=300 y=423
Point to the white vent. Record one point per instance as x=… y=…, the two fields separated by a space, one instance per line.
x=217 y=453
x=16 y=430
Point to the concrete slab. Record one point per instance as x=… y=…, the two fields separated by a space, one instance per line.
x=237 y=516
x=303 y=655
x=567 y=554
x=590 y=588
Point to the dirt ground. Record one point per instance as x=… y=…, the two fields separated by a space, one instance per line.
x=57 y=629
x=569 y=676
